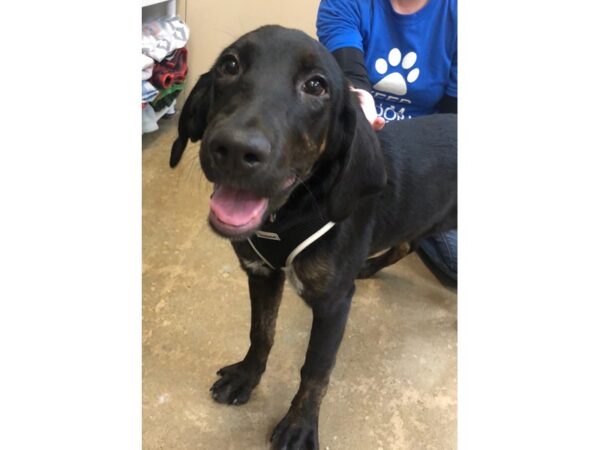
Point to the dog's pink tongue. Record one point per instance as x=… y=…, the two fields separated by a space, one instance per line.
x=236 y=207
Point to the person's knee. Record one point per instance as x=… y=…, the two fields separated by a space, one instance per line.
x=442 y=251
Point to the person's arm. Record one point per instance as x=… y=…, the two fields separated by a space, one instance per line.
x=338 y=28
x=352 y=62
x=448 y=103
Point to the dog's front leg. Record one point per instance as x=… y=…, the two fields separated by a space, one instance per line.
x=238 y=380
x=299 y=428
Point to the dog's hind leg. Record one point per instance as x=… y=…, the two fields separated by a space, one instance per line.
x=238 y=380
x=375 y=264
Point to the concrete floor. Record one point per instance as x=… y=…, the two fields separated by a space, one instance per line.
x=394 y=385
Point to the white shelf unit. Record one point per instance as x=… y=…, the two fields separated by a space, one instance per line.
x=169 y=7
x=154 y=9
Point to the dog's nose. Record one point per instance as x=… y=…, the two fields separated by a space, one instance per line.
x=240 y=151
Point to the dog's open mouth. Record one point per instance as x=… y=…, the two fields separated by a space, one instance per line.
x=236 y=211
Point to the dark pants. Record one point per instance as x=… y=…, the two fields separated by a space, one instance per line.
x=442 y=250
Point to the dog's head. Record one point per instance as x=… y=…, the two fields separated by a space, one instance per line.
x=275 y=111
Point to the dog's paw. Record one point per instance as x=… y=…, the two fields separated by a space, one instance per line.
x=296 y=432
x=235 y=385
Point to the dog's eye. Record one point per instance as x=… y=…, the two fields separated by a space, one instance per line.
x=315 y=86
x=229 y=65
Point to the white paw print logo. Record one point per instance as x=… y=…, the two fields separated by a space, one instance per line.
x=394 y=82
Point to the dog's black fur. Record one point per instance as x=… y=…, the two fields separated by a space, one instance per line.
x=278 y=96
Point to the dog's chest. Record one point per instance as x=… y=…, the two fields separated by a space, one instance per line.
x=256 y=266
x=260 y=268
x=292 y=277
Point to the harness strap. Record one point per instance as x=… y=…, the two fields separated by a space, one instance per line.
x=307 y=242
x=265 y=260
x=278 y=248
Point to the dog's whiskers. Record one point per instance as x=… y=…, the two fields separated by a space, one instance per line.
x=193 y=162
x=188 y=167
x=312 y=196
x=224 y=31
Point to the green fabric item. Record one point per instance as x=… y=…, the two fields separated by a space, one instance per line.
x=165 y=92
x=165 y=101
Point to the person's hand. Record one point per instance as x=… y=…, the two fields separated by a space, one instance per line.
x=367 y=103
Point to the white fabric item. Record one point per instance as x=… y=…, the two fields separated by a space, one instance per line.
x=147 y=66
x=149 y=92
x=148 y=119
x=171 y=109
x=163 y=36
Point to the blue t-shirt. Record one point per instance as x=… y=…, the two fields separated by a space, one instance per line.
x=410 y=59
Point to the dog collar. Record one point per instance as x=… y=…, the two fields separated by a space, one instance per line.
x=277 y=243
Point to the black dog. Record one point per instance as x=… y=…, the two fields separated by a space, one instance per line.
x=304 y=188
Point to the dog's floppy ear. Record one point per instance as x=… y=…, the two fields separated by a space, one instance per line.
x=193 y=119
x=362 y=168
